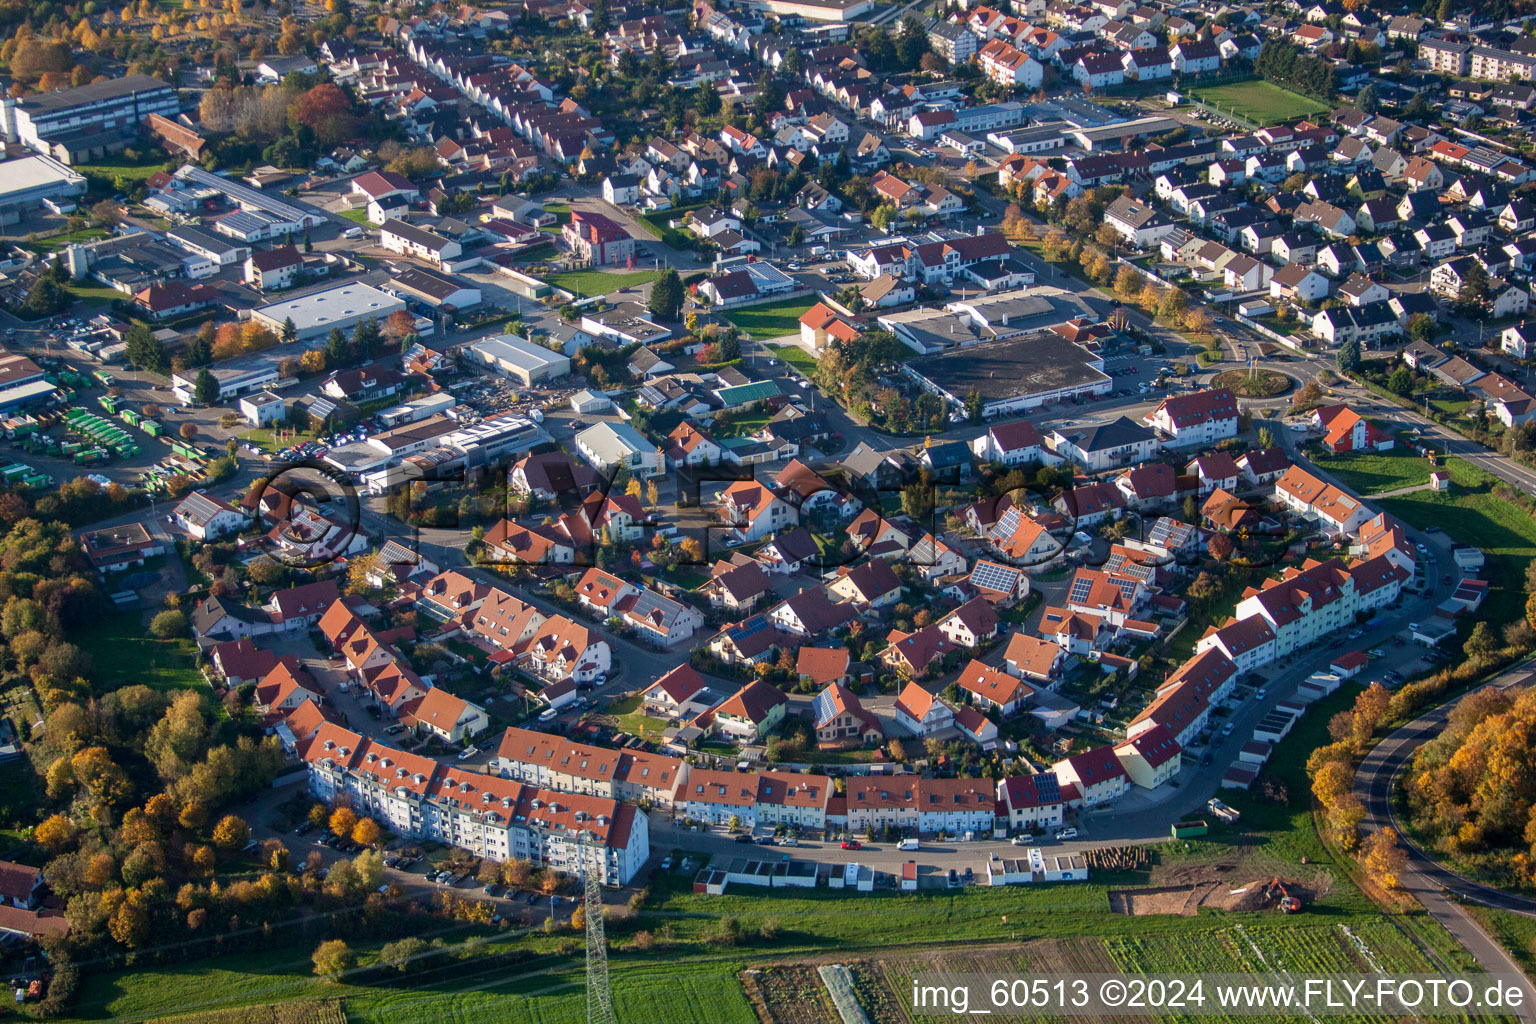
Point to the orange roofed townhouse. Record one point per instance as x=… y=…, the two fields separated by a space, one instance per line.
x=1150 y=758
x=1338 y=513
x=1319 y=599
x=1184 y=700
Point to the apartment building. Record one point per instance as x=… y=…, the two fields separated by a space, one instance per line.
x=1319 y=599
x=489 y=816
x=1202 y=418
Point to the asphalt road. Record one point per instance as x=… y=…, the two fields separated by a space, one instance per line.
x=1439 y=889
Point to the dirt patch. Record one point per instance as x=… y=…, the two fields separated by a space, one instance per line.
x=1186 y=900
x=1182 y=900
x=1236 y=868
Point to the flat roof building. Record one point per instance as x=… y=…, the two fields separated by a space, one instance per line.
x=344 y=306
x=118 y=104
x=27 y=182
x=519 y=358
x=1014 y=375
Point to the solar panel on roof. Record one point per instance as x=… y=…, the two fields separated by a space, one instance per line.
x=1080 y=590
x=991 y=576
x=751 y=627
x=824 y=707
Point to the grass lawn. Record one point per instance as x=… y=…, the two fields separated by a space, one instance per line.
x=264 y=438
x=1515 y=932
x=1260 y=101
x=1451 y=406
x=633 y=721
x=120 y=644
x=60 y=241
x=357 y=216
x=795 y=356
x=95 y=293
x=1470 y=513
x=658 y=225
x=770 y=321
x=562 y=215
x=1378 y=471
x=104 y=174
x=600 y=282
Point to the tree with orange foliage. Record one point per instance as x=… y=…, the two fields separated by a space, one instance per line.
x=367 y=832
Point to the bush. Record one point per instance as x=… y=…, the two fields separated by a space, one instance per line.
x=168 y=625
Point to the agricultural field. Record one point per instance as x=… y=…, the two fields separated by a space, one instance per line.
x=1222 y=946
x=1259 y=101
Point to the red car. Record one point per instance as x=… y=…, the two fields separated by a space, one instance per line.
x=852 y=844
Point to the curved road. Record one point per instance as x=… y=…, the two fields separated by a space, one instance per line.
x=1429 y=882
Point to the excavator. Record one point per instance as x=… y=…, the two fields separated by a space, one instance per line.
x=1283 y=900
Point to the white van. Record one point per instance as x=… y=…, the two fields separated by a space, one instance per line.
x=352 y=233
x=907 y=844
x=548 y=715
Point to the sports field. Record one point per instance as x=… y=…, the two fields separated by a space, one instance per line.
x=1258 y=101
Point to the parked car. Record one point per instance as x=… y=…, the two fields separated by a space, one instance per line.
x=852 y=844
x=742 y=837
x=1023 y=840
x=764 y=840
x=1067 y=833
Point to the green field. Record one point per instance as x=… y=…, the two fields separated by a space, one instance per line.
x=1472 y=514
x=1366 y=473
x=104 y=174
x=1259 y=101
x=795 y=356
x=56 y=242
x=96 y=293
x=119 y=642
x=773 y=320
x=358 y=216
x=600 y=282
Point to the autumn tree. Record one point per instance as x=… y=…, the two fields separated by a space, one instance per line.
x=1383 y=859
x=231 y=833
x=327 y=111
x=366 y=832
x=332 y=959
x=343 y=820
x=399 y=326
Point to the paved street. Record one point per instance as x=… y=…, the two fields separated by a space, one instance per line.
x=1441 y=891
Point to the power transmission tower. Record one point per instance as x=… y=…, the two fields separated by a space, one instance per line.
x=599 y=996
